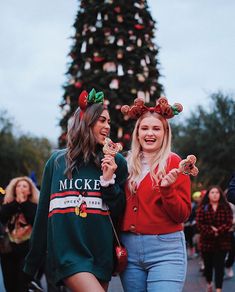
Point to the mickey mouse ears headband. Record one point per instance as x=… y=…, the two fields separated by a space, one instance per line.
x=85 y=99
x=162 y=107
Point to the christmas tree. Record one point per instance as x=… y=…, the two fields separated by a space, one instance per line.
x=113 y=52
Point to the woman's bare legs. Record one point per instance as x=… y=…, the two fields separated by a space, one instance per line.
x=85 y=282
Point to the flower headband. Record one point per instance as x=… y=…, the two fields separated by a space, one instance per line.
x=162 y=107
x=86 y=99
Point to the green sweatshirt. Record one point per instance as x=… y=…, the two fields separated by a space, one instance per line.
x=71 y=228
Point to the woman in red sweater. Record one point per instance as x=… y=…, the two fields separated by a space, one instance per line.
x=157 y=203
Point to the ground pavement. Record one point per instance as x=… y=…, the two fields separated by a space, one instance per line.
x=195 y=282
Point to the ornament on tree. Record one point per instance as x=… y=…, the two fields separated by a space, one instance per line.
x=147 y=59
x=97 y=58
x=78 y=84
x=114 y=84
x=130 y=72
x=99 y=20
x=140 y=77
x=120 y=18
x=146 y=72
x=109 y=67
x=110 y=39
x=147 y=96
x=127 y=137
x=152 y=89
x=72 y=81
x=142 y=62
x=130 y=48
x=68 y=99
x=139 y=5
x=91 y=40
x=139 y=26
x=106 y=17
x=120 y=132
x=120 y=42
x=120 y=71
x=87 y=65
x=137 y=16
x=107 y=31
x=133 y=38
x=117 y=9
x=139 y=42
x=65 y=110
x=83 y=47
x=141 y=94
x=119 y=54
x=92 y=28
x=79 y=74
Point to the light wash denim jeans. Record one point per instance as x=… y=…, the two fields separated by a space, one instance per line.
x=156 y=263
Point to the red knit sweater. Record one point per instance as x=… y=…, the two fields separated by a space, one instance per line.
x=160 y=210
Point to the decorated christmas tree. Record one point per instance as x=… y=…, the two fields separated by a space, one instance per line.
x=113 y=52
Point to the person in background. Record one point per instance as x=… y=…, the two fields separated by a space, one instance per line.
x=190 y=227
x=81 y=186
x=17 y=214
x=229 y=261
x=231 y=190
x=157 y=203
x=214 y=220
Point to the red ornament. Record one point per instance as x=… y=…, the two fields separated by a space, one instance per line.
x=117 y=9
x=127 y=136
x=139 y=26
x=78 y=84
x=98 y=59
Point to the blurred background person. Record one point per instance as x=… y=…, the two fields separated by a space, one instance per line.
x=17 y=215
x=214 y=220
x=190 y=227
x=231 y=190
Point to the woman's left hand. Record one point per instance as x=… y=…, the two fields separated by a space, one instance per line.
x=169 y=178
x=108 y=167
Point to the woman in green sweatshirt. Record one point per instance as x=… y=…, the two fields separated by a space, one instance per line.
x=80 y=187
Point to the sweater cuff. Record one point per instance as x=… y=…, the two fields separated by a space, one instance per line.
x=106 y=183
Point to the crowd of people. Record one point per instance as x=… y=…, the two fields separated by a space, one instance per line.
x=66 y=234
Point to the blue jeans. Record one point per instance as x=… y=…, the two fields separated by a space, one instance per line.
x=156 y=263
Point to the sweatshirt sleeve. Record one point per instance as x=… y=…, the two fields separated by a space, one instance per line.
x=38 y=240
x=114 y=195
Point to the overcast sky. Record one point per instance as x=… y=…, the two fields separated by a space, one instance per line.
x=196 y=40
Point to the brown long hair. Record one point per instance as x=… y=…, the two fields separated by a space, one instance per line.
x=81 y=143
x=222 y=200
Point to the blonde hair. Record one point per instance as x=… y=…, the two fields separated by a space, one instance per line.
x=10 y=190
x=158 y=160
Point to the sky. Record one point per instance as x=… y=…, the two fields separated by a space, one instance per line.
x=196 y=40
